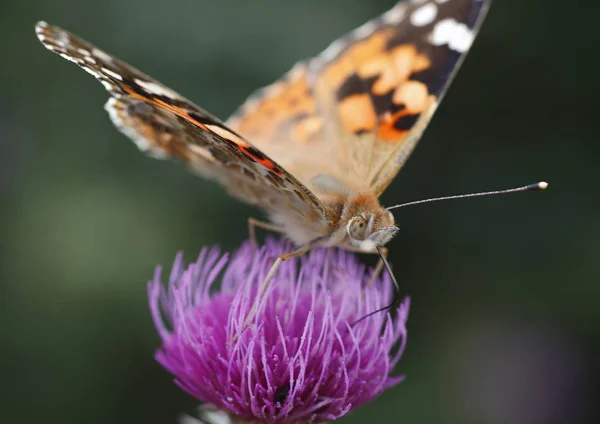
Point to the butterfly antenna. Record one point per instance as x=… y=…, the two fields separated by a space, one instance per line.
x=396 y=300
x=531 y=187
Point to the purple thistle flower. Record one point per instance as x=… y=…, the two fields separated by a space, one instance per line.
x=299 y=359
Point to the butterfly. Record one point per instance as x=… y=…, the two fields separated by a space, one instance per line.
x=316 y=149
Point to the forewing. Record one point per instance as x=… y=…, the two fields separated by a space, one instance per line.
x=164 y=124
x=351 y=116
x=286 y=121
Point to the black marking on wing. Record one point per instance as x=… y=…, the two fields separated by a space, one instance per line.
x=406 y=122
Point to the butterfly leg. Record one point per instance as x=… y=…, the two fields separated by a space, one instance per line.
x=269 y=277
x=253 y=223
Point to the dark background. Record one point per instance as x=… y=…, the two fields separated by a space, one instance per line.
x=504 y=326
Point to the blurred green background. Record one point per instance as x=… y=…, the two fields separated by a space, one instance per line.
x=504 y=326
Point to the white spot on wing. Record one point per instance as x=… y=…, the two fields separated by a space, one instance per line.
x=40 y=26
x=424 y=15
x=112 y=111
x=112 y=74
x=155 y=88
x=91 y=72
x=101 y=55
x=77 y=61
x=463 y=42
x=455 y=34
x=62 y=39
x=106 y=85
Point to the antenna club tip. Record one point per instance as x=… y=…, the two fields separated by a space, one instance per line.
x=543 y=185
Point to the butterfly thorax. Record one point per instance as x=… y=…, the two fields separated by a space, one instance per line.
x=356 y=221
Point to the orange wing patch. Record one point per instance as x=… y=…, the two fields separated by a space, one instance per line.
x=415 y=99
x=357 y=114
x=337 y=71
x=372 y=82
x=282 y=112
x=393 y=68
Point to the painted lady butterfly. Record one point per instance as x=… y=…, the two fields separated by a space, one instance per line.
x=317 y=148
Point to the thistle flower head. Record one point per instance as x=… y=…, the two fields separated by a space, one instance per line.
x=299 y=359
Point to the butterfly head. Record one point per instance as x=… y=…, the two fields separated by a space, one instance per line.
x=369 y=230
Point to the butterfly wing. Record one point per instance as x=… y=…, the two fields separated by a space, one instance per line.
x=164 y=124
x=288 y=120
x=349 y=118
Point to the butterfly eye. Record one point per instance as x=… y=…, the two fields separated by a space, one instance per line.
x=357 y=228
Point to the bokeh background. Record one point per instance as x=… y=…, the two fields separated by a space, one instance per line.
x=504 y=326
